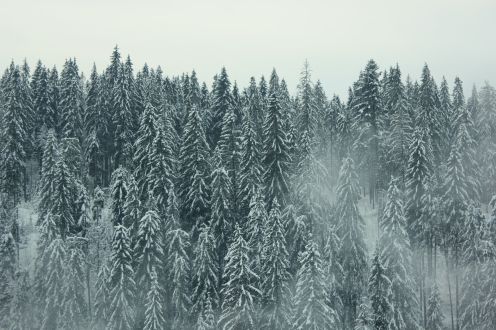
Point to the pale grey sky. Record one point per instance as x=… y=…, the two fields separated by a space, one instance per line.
x=455 y=37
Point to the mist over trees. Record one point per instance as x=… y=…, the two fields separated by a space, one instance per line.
x=163 y=202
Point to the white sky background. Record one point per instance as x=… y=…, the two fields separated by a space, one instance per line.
x=455 y=37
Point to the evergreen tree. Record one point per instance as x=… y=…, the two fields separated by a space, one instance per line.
x=398 y=261
x=238 y=289
x=350 y=228
x=178 y=267
x=14 y=137
x=74 y=305
x=380 y=293
x=54 y=257
x=194 y=168
x=206 y=273
x=71 y=100
x=275 y=275
x=102 y=297
x=434 y=314
x=221 y=101
x=154 y=313
x=311 y=310
x=121 y=284
x=148 y=255
x=119 y=190
x=276 y=157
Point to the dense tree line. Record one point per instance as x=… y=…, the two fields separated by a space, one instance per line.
x=163 y=203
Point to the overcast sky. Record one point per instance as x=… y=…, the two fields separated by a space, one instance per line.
x=455 y=37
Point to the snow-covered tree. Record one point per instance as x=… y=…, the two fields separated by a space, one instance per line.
x=434 y=314
x=275 y=275
x=239 y=290
x=154 y=306
x=350 y=228
x=122 y=287
x=380 y=293
x=311 y=310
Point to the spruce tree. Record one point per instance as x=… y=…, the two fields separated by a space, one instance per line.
x=311 y=310
x=398 y=261
x=71 y=100
x=205 y=281
x=221 y=101
x=154 y=307
x=434 y=314
x=122 y=287
x=194 y=171
x=239 y=289
x=54 y=257
x=276 y=157
x=102 y=297
x=119 y=189
x=350 y=228
x=380 y=293
x=178 y=267
x=275 y=275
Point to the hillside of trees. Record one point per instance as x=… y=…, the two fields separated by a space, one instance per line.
x=162 y=202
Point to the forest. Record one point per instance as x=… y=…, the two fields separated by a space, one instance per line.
x=134 y=199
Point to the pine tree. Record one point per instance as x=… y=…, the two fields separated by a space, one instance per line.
x=434 y=314
x=148 y=255
x=311 y=310
x=238 y=289
x=178 y=266
x=380 y=293
x=350 y=228
x=71 y=100
x=14 y=137
x=256 y=230
x=206 y=320
x=205 y=280
x=119 y=190
x=222 y=219
x=53 y=117
x=221 y=102
x=75 y=310
x=154 y=313
x=194 y=168
x=276 y=157
x=20 y=313
x=398 y=261
x=102 y=297
x=121 y=284
x=275 y=275
x=228 y=146
x=143 y=148
x=54 y=258
x=250 y=166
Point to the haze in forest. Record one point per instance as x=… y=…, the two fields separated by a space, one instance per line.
x=337 y=37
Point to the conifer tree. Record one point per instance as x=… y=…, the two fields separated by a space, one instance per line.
x=71 y=100
x=380 y=293
x=205 y=281
x=275 y=275
x=102 y=297
x=239 y=289
x=122 y=287
x=250 y=166
x=311 y=310
x=54 y=257
x=256 y=226
x=350 y=228
x=398 y=260
x=434 y=314
x=148 y=255
x=276 y=156
x=194 y=168
x=119 y=190
x=14 y=138
x=74 y=305
x=178 y=266
x=221 y=101
x=154 y=313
